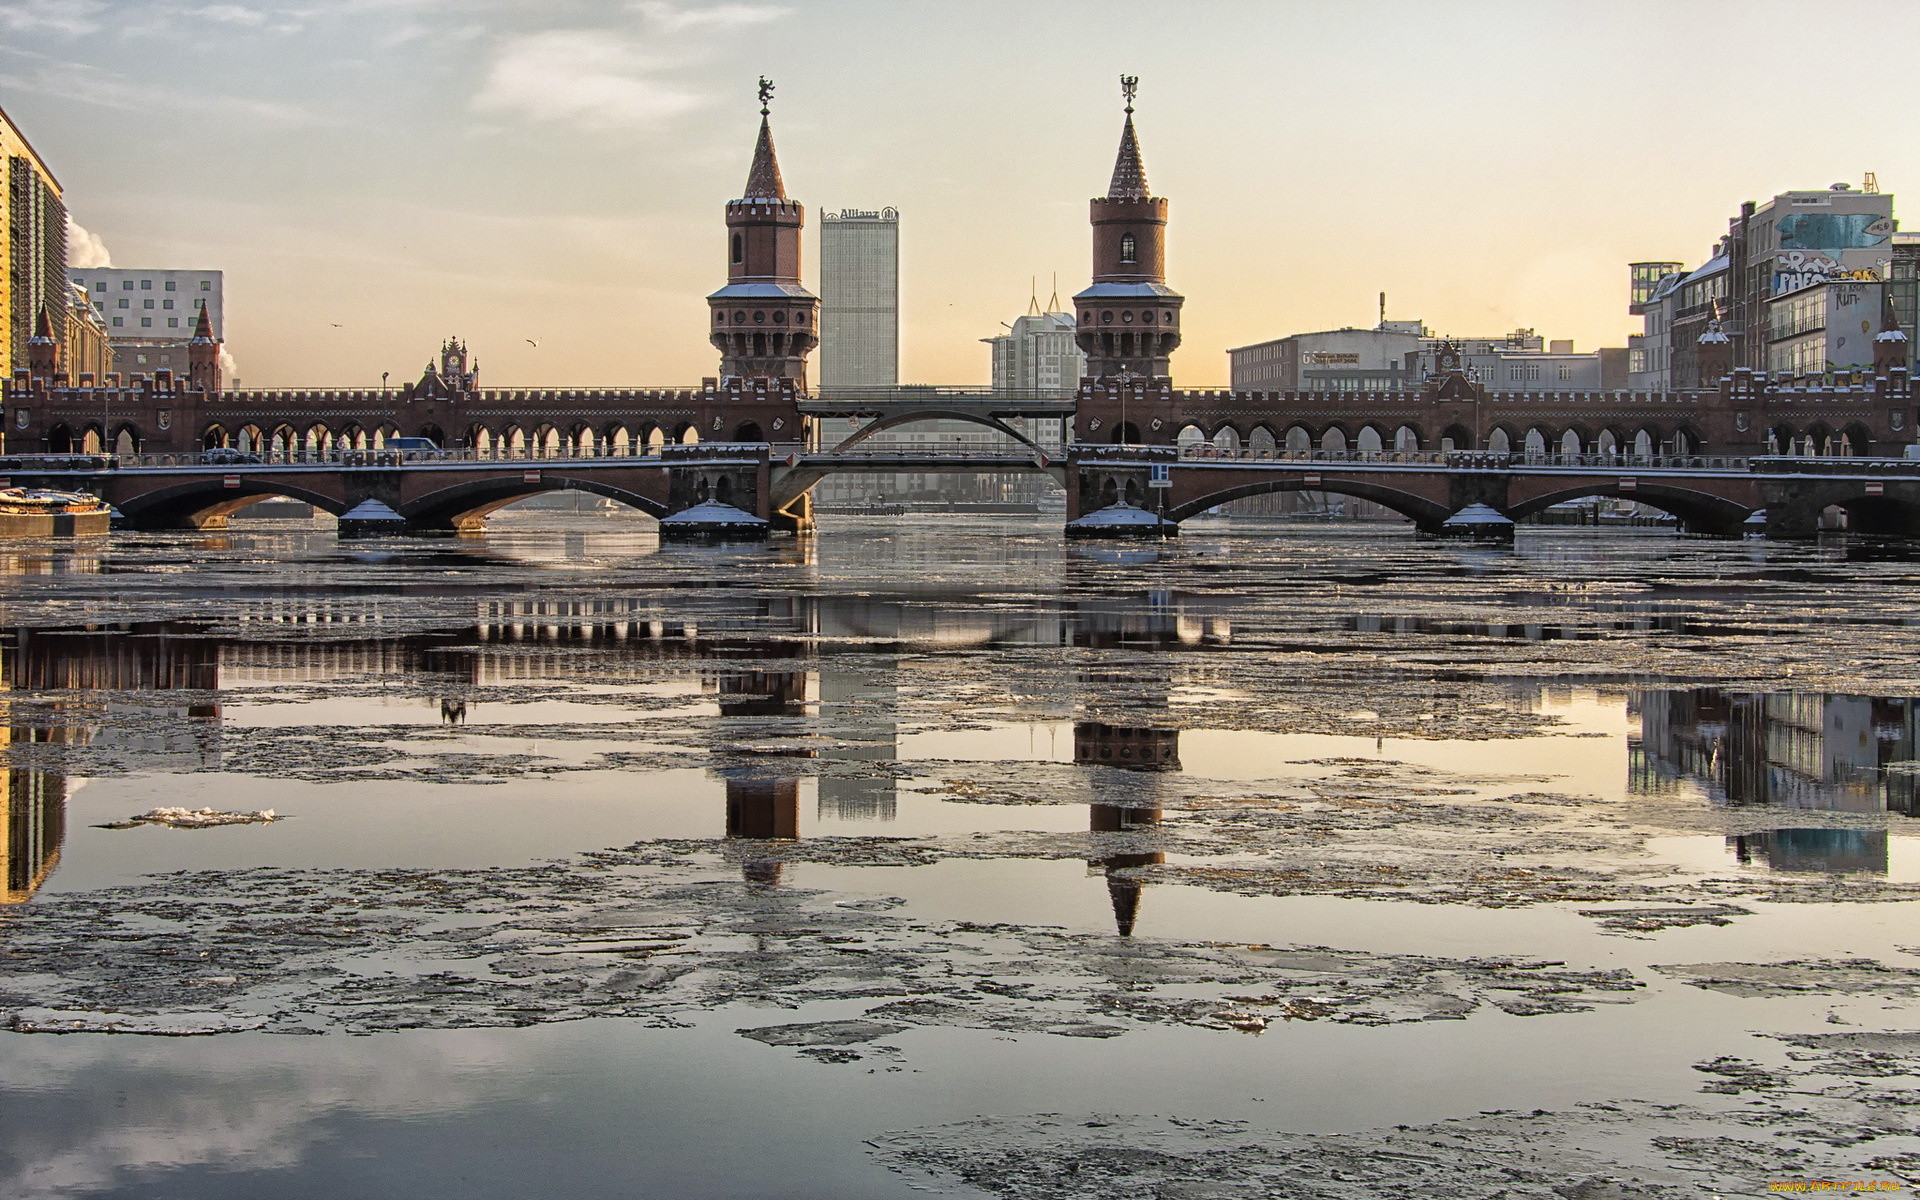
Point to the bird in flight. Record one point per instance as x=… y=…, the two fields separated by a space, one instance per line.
x=534 y=342
x=336 y=324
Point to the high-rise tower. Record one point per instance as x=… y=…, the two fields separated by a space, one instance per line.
x=764 y=322
x=1129 y=319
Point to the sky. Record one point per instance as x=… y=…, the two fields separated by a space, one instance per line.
x=376 y=175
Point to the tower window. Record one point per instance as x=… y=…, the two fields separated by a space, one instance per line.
x=1126 y=247
x=739 y=249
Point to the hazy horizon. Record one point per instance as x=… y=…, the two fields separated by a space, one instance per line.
x=375 y=175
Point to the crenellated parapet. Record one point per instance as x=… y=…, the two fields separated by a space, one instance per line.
x=168 y=413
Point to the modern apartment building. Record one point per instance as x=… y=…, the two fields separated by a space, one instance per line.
x=33 y=246
x=150 y=313
x=860 y=298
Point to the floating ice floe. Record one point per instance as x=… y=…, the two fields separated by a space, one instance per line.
x=174 y=1024
x=194 y=818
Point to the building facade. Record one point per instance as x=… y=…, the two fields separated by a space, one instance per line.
x=150 y=314
x=860 y=298
x=1038 y=355
x=88 y=353
x=33 y=246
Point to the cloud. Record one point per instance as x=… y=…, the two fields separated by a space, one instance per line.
x=71 y=17
x=229 y=14
x=593 y=78
x=674 y=17
x=85 y=250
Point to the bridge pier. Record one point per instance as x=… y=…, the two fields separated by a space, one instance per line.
x=1111 y=492
x=722 y=492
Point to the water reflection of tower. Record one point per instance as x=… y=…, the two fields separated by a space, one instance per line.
x=1121 y=803
x=761 y=806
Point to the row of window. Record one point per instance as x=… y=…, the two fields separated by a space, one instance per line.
x=197 y=304
x=759 y=317
x=147 y=322
x=146 y=285
x=1126 y=318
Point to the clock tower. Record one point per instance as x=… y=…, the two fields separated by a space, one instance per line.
x=764 y=323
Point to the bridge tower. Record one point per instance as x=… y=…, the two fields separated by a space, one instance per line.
x=1129 y=319
x=203 y=356
x=764 y=322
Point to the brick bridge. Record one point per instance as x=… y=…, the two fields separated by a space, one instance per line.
x=455 y=493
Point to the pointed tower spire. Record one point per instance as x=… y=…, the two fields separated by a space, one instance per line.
x=763 y=181
x=1129 y=173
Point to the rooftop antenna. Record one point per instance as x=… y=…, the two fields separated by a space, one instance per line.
x=1033 y=291
x=1872 y=186
x=1053 y=302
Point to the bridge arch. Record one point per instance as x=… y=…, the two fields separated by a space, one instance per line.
x=1424 y=513
x=1457 y=437
x=937 y=414
x=1406 y=439
x=1333 y=437
x=748 y=431
x=1856 y=439
x=127 y=438
x=1699 y=512
x=1261 y=443
x=214 y=437
x=1369 y=440
x=465 y=506
x=1501 y=439
x=205 y=503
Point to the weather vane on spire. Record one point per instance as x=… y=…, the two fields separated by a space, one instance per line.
x=1129 y=85
x=766 y=94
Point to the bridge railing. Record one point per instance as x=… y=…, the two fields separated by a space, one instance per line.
x=1485 y=460
x=968 y=448
x=1807 y=464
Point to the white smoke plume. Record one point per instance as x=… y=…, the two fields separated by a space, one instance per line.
x=85 y=250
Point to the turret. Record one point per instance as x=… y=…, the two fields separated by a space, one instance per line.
x=764 y=322
x=1129 y=319
x=1715 y=353
x=1890 y=346
x=203 y=355
x=43 y=350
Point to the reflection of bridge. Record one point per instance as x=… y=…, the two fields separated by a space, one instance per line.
x=1122 y=422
